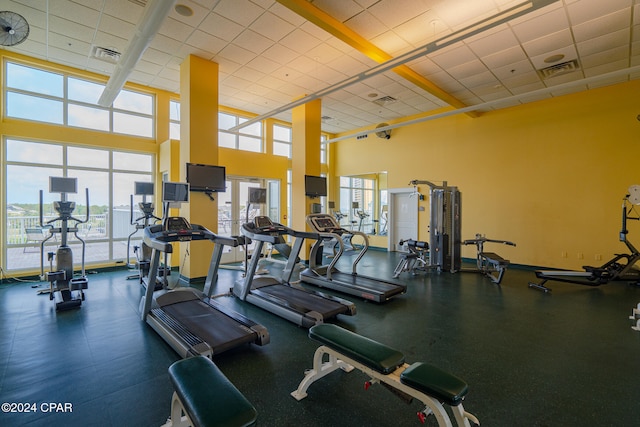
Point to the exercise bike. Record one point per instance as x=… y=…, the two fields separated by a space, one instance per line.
x=621 y=267
x=63 y=287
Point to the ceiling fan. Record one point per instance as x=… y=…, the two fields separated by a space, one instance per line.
x=14 y=29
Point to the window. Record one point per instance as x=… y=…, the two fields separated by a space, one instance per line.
x=323 y=149
x=45 y=96
x=248 y=138
x=108 y=175
x=174 y=120
x=282 y=141
x=357 y=202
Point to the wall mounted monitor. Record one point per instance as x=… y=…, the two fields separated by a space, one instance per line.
x=257 y=195
x=206 y=178
x=315 y=186
x=175 y=192
x=143 y=188
x=63 y=185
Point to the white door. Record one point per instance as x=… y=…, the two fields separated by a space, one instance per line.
x=403 y=217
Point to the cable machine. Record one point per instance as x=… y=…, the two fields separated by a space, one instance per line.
x=445 y=225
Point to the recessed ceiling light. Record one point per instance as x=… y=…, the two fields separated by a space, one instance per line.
x=373 y=95
x=183 y=10
x=554 y=58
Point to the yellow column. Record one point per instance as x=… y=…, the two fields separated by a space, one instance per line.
x=198 y=144
x=305 y=160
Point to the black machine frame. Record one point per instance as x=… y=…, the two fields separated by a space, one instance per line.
x=619 y=268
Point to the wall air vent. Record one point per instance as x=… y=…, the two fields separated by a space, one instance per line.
x=559 y=69
x=105 y=54
x=385 y=100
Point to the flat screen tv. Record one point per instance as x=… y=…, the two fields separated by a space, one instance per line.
x=206 y=178
x=257 y=195
x=59 y=184
x=315 y=186
x=175 y=192
x=143 y=188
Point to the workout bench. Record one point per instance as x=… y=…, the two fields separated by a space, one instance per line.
x=490 y=264
x=417 y=259
x=203 y=396
x=385 y=365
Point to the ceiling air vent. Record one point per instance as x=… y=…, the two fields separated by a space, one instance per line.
x=326 y=118
x=105 y=54
x=385 y=100
x=559 y=69
x=142 y=3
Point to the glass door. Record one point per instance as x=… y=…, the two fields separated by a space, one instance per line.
x=233 y=211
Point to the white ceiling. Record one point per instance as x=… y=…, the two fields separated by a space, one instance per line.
x=269 y=55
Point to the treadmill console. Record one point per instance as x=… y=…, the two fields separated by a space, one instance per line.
x=265 y=225
x=324 y=224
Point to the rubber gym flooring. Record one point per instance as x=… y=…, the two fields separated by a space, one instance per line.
x=567 y=358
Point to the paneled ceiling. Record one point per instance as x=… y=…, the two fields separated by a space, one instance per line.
x=271 y=52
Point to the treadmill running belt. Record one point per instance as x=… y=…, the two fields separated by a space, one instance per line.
x=368 y=283
x=218 y=330
x=304 y=300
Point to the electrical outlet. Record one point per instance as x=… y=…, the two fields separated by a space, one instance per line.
x=580 y=255
x=598 y=257
x=563 y=254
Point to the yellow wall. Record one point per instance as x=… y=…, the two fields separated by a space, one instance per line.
x=548 y=175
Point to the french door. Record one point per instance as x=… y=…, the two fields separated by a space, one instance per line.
x=233 y=211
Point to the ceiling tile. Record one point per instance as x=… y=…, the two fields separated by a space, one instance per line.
x=587 y=10
x=604 y=25
x=534 y=28
x=271 y=26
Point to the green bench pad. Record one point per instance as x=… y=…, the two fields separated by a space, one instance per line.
x=435 y=382
x=207 y=396
x=370 y=353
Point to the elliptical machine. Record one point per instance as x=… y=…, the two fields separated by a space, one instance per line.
x=67 y=290
x=142 y=252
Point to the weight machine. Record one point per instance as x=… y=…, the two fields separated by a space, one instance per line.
x=66 y=289
x=620 y=267
x=417 y=259
x=489 y=264
x=444 y=229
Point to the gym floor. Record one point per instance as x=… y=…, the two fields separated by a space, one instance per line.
x=531 y=359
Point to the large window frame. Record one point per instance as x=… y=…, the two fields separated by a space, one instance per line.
x=54 y=97
x=111 y=173
x=248 y=138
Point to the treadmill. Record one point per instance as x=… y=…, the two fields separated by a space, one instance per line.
x=303 y=307
x=190 y=321
x=327 y=276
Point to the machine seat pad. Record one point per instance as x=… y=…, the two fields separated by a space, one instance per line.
x=207 y=396
x=370 y=353
x=495 y=258
x=435 y=382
